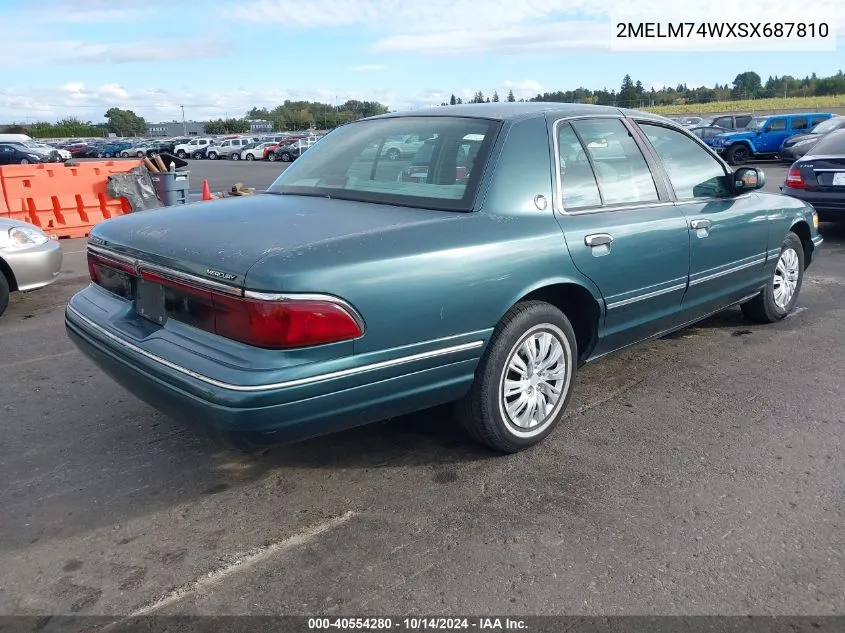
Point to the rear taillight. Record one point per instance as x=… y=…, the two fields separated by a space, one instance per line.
x=256 y=319
x=794 y=179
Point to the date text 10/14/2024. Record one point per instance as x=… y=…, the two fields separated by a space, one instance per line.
x=418 y=624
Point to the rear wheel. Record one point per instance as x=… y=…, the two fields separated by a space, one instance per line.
x=181 y=154
x=286 y=157
x=524 y=380
x=780 y=295
x=24 y=161
x=4 y=293
x=393 y=153
x=737 y=154
x=271 y=157
x=212 y=155
x=236 y=156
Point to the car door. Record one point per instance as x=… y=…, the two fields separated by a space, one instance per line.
x=775 y=132
x=620 y=228
x=728 y=233
x=7 y=155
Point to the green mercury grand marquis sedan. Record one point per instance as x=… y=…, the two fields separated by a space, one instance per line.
x=528 y=240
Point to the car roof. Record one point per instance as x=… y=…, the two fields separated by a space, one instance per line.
x=506 y=111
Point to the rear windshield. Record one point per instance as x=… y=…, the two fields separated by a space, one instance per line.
x=828 y=126
x=439 y=168
x=831 y=145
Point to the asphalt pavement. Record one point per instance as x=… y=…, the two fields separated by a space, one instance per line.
x=701 y=473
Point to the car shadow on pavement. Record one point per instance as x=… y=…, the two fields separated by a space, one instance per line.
x=425 y=438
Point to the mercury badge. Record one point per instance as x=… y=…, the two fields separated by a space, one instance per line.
x=221 y=275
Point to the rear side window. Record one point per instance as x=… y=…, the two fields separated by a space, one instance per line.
x=776 y=125
x=622 y=172
x=725 y=122
x=578 y=185
x=743 y=120
x=800 y=123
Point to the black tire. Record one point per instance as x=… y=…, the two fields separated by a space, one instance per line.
x=250 y=157
x=737 y=154
x=286 y=157
x=394 y=154
x=235 y=156
x=211 y=156
x=271 y=157
x=4 y=293
x=766 y=307
x=24 y=161
x=481 y=411
x=181 y=154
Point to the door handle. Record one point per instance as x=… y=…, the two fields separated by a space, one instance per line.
x=598 y=239
x=700 y=224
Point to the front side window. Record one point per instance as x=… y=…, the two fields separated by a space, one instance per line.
x=693 y=172
x=799 y=123
x=623 y=174
x=351 y=163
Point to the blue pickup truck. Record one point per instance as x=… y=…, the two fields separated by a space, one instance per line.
x=764 y=136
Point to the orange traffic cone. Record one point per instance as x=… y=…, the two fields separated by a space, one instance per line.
x=206 y=192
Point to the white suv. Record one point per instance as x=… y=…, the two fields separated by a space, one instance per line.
x=187 y=150
x=229 y=148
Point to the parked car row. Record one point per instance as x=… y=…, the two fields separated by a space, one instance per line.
x=285 y=147
x=782 y=136
x=20 y=149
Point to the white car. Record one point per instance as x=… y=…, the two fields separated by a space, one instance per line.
x=257 y=152
x=189 y=149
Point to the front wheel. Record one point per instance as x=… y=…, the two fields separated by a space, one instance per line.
x=236 y=156
x=181 y=154
x=212 y=156
x=250 y=157
x=271 y=157
x=737 y=154
x=4 y=293
x=780 y=294
x=24 y=161
x=524 y=380
x=286 y=158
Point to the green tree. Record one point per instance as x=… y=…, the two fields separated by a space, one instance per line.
x=495 y=97
x=452 y=100
x=747 y=85
x=628 y=92
x=125 y=122
x=510 y=98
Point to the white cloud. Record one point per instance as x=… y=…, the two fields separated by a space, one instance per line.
x=453 y=27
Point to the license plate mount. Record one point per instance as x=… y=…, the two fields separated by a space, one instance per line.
x=150 y=301
x=839 y=179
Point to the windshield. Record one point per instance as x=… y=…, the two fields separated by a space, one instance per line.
x=828 y=126
x=361 y=161
x=757 y=123
x=32 y=144
x=831 y=145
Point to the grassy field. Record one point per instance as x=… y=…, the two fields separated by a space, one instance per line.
x=753 y=105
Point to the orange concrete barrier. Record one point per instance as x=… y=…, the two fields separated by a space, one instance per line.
x=64 y=201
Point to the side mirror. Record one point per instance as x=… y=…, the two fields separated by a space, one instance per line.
x=748 y=179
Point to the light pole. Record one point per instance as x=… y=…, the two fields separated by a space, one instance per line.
x=184 y=124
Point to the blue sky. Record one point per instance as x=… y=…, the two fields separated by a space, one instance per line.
x=220 y=57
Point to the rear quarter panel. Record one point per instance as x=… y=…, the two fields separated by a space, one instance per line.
x=784 y=213
x=447 y=278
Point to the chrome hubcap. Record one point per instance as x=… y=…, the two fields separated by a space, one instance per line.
x=786 y=278
x=536 y=380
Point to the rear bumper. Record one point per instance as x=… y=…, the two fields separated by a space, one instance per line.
x=829 y=206
x=279 y=411
x=36 y=266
